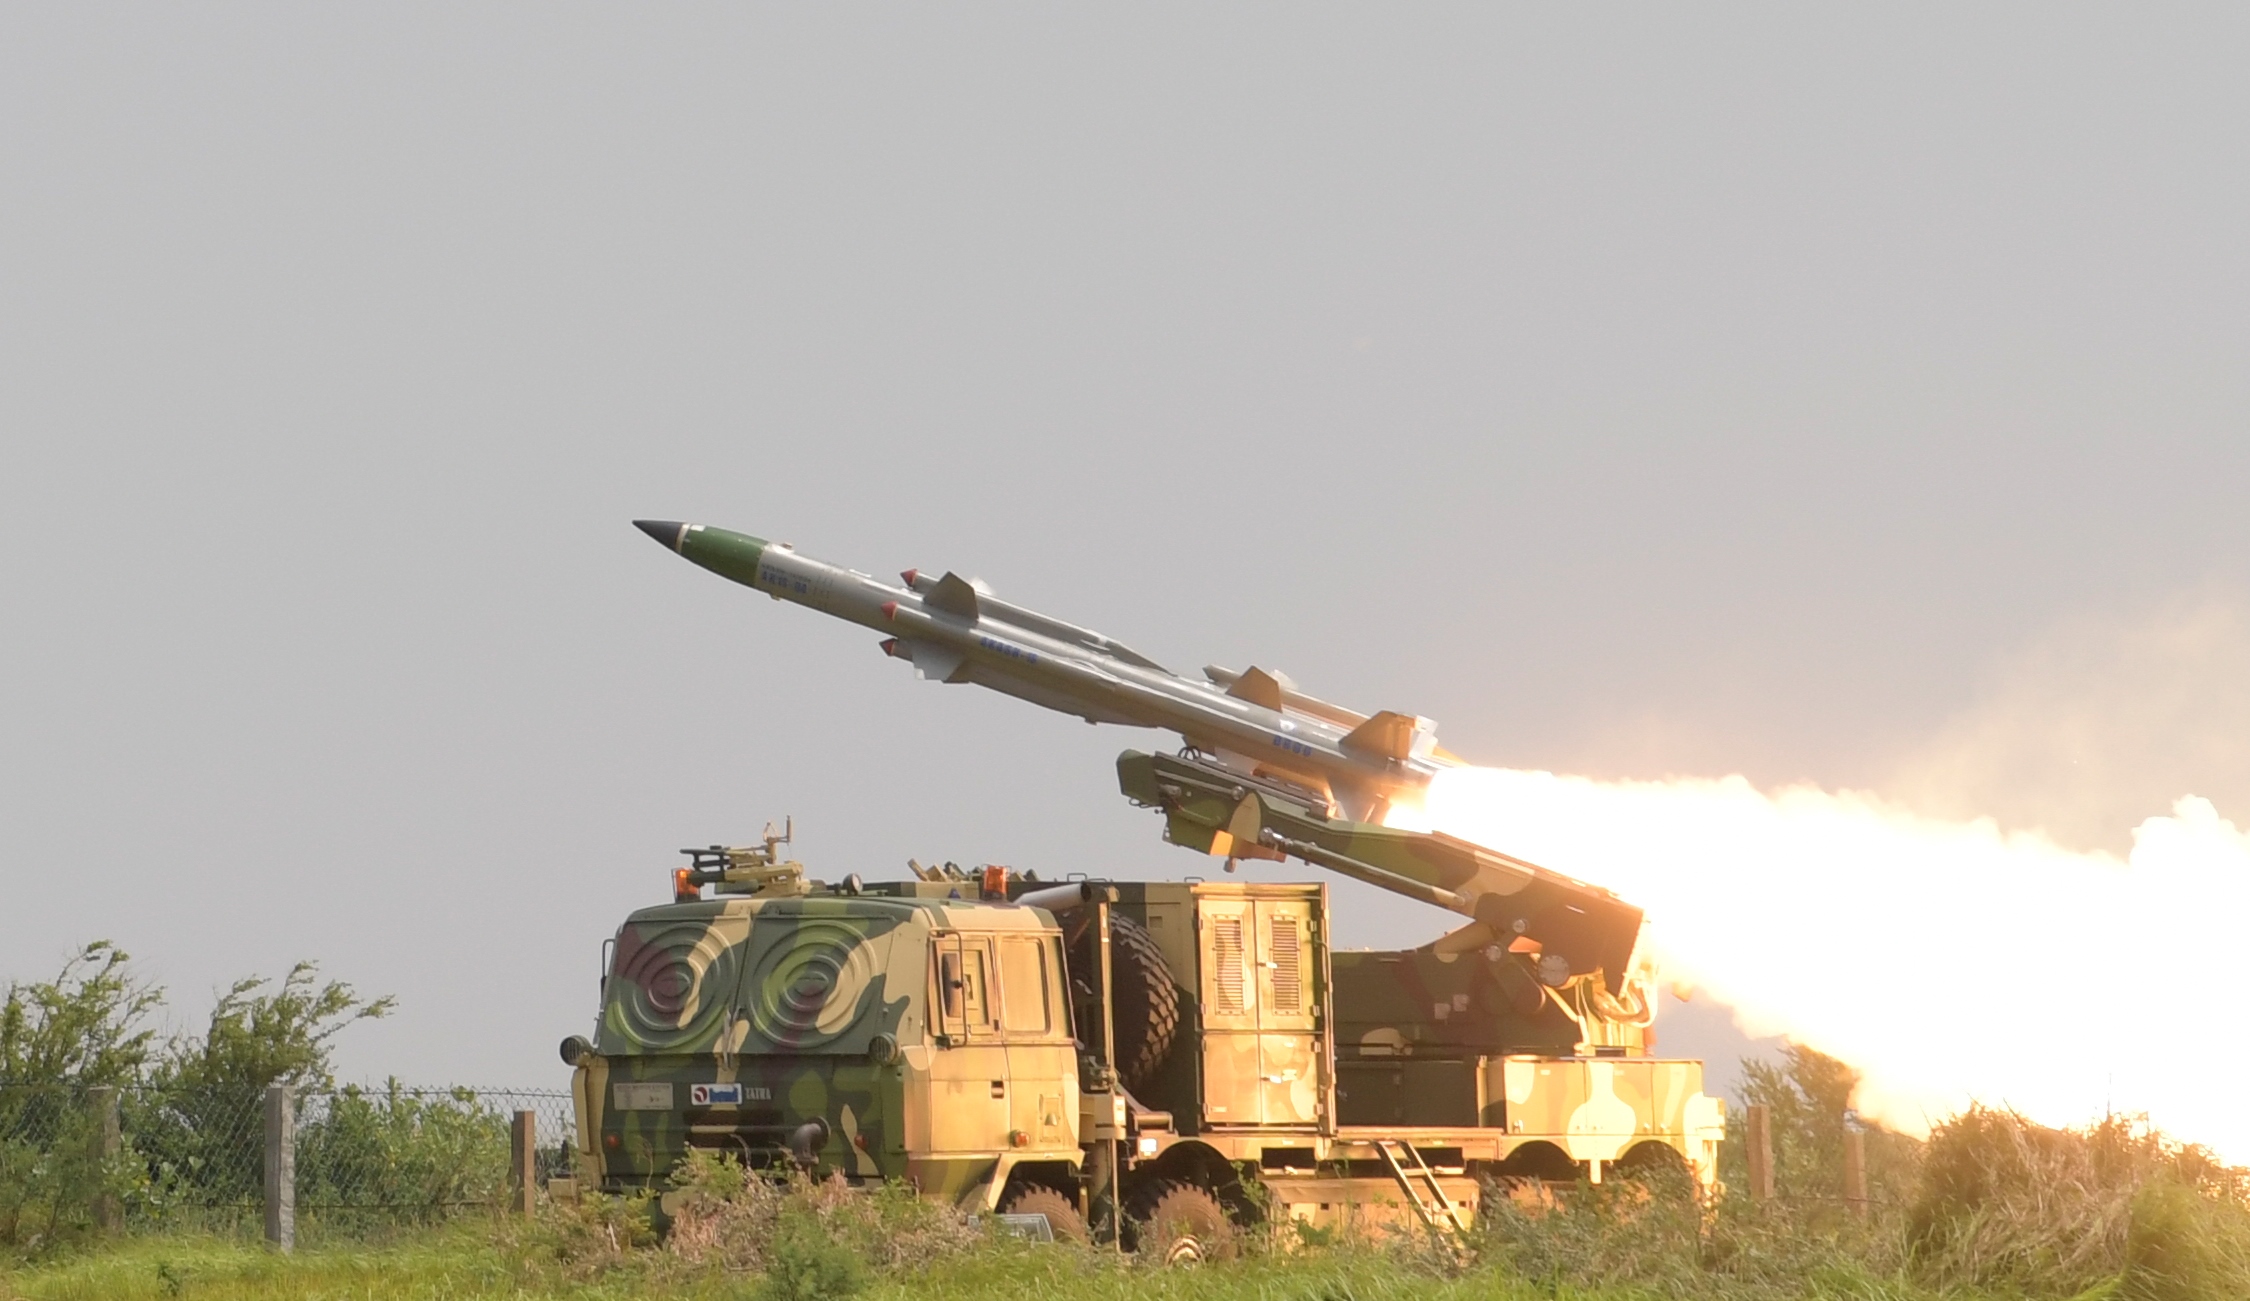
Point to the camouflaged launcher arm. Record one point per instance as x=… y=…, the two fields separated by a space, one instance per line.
x=1216 y=811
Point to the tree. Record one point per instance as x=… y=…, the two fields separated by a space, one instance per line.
x=58 y=1037
x=199 y=1122
x=84 y=1027
x=279 y=1037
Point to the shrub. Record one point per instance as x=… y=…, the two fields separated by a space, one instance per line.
x=735 y=1218
x=1649 y=1234
x=805 y=1262
x=199 y=1122
x=579 y=1240
x=2182 y=1245
x=2005 y=1203
x=399 y=1156
x=58 y=1038
x=84 y=1027
x=1808 y=1101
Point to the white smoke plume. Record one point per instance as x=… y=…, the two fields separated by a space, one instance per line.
x=2097 y=725
x=1950 y=958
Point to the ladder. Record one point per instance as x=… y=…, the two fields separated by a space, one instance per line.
x=1420 y=1184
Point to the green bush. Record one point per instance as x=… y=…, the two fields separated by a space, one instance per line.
x=806 y=1263
x=191 y=1108
x=59 y=1038
x=198 y=1120
x=393 y=1156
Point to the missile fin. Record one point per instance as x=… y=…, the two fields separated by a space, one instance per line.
x=1260 y=688
x=1393 y=736
x=1297 y=701
x=935 y=662
x=954 y=595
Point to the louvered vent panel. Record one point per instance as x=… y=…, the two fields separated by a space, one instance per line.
x=1288 y=967
x=1226 y=957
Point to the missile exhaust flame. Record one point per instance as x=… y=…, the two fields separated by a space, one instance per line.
x=1948 y=961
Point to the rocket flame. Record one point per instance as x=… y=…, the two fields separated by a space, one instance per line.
x=1948 y=961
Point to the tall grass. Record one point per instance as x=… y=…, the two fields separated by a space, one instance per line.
x=2007 y=1204
x=2002 y=1207
x=816 y=1243
x=1990 y=1208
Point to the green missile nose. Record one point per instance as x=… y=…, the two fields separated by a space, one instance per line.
x=725 y=553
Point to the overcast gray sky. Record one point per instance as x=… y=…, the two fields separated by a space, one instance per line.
x=1851 y=399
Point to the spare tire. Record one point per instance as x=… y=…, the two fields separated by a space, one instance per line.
x=1145 y=1000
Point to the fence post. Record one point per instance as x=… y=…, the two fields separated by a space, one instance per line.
x=108 y=1141
x=1758 y=1130
x=1855 y=1171
x=281 y=1167
x=523 y=1153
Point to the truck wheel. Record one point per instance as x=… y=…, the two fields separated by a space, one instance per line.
x=1147 y=1000
x=1063 y=1218
x=1180 y=1224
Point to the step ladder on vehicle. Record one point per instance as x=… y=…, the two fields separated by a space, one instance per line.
x=1420 y=1184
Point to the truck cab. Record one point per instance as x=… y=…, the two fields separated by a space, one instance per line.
x=903 y=1030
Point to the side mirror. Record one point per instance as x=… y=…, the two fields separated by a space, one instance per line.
x=949 y=984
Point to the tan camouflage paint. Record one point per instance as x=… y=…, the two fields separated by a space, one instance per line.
x=1598 y=1109
x=1259 y=992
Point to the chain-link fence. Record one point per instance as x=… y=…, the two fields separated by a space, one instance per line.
x=364 y=1159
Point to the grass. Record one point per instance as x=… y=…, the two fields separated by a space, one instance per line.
x=476 y=1264
x=2003 y=1211
x=479 y=1262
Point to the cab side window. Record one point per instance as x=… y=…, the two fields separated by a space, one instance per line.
x=1027 y=996
x=1058 y=987
x=964 y=986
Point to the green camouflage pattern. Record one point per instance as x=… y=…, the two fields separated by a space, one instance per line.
x=1422 y=1002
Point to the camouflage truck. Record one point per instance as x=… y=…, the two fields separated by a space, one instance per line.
x=1154 y=1064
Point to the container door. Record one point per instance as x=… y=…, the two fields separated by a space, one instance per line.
x=1228 y=997
x=1290 y=1070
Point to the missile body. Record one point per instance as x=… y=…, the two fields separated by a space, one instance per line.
x=952 y=630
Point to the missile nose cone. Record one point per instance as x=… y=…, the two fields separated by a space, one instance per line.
x=667 y=532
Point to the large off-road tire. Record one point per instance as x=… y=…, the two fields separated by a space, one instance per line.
x=1145 y=999
x=1063 y=1218
x=1176 y=1223
x=1660 y=1172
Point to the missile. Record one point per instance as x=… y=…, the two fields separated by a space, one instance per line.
x=1254 y=723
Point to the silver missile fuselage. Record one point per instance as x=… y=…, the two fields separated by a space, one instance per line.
x=952 y=630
